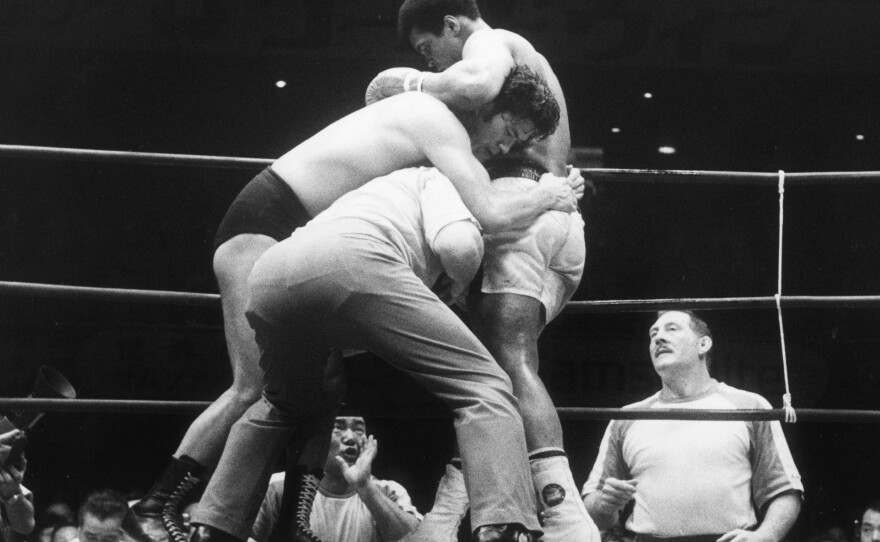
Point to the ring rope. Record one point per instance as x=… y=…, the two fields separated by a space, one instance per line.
x=661 y=175
x=182 y=298
x=128 y=157
x=790 y=414
x=127 y=406
x=109 y=294
x=90 y=293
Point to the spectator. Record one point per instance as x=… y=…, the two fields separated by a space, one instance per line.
x=706 y=480
x=350 y=504
x=64 y=532
x=16 y=500
x=56 y=514
x=869 y=527
x=104 y=516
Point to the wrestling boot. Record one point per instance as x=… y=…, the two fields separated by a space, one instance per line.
x=451 y=504
x=206 y=533
x=305 y=498
x=303 y=488
x=164 y=500
x=560 y=508
x=505 y=532
x=178 y=478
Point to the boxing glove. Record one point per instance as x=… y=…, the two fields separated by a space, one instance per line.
x=393 y=81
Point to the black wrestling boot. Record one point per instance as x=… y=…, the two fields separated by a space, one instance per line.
x=505 y=532
x=172 y=486
x=299 y=495
x=206 y=533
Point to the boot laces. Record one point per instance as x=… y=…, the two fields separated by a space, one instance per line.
x=304 y=506
x=171 y=519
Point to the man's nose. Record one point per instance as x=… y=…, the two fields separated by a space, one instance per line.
x=505 y=147
x=347 y=435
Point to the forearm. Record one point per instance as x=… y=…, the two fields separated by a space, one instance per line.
x=505 y=210
x=780 y=517
x=477 y=78
x=20 y=514
x=393 y=523
x=460 y=88
x=603 y=515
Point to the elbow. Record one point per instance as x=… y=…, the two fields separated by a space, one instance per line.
x=493 y=221
x=460 y=248
x=492 y=217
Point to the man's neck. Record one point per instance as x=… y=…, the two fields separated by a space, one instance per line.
x=335 y=484
x=683 y=386
x=469 y=26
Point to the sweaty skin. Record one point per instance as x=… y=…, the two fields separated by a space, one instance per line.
x=407 y=130
x=472 y=60
x=487 y=57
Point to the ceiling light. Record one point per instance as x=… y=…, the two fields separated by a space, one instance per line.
x=648 y=95
x=666 y=149
x=615 y=130
x=860 y=137
x=281 y=83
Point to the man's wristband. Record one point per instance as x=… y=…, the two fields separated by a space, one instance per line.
x=413 y=81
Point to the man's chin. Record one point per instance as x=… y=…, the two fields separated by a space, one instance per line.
x=351 y=460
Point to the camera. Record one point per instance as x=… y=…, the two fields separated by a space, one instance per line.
x=50 y=384
x=14 y=457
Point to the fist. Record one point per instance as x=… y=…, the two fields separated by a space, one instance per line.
x=392 y=81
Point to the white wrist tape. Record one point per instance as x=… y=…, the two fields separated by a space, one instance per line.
x=419 y=77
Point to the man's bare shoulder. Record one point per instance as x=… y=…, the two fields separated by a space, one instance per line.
x=514 y=42
x=417 y=110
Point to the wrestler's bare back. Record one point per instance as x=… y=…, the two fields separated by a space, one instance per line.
x=553 y=150
x=371 y=142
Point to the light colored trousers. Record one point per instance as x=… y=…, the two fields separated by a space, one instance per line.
x=345 y=284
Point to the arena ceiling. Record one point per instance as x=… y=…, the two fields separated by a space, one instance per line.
x=735 y=84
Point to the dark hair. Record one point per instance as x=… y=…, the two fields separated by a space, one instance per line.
x=698 y=325
x=525 y=94
x=872 y=505
x=103 y=504
x=427 y=15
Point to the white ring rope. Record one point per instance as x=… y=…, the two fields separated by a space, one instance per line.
x=790 y=414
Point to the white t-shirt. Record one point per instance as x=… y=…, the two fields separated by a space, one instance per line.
x=334 y=518
x=697 y=477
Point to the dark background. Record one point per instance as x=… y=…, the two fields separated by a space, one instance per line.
x=742 y=86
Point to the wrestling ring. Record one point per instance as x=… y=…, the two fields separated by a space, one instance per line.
x=778 y=301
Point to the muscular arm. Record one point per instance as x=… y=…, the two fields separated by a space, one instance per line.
x=477 y=78
x=447 y=146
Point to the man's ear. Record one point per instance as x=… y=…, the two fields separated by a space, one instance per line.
x=705 y=344
x=451 y=22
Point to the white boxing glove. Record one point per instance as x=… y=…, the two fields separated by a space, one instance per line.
x=393 y=81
